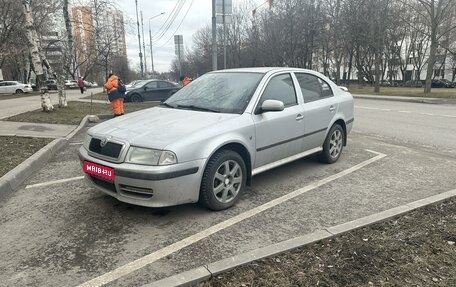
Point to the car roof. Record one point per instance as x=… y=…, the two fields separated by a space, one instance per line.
x=263 y=70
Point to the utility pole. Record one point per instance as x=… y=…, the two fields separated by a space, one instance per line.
x=139 y=41
x=144 y=45
x=150 y=39
x=214 y=38
x=224 y=35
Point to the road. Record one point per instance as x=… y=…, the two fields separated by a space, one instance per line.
x=428 y=125
x=68 y=234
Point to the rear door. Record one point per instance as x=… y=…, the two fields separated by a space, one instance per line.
x=11 y=87
x=320 y=108
x=165 y=90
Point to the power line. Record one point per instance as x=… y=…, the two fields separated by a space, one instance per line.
x=188 y=9
x=166 y=21
x=173 y=18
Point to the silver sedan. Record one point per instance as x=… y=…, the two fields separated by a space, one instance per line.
x=207 y=141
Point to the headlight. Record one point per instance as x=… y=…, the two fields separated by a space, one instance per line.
x=147 y=156
x=86 y=142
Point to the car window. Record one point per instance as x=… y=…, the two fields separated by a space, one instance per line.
x=280 y=88
x=313 y=88
x=162 y=85
x=151 y=85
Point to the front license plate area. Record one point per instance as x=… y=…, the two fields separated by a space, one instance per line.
x=98 y=170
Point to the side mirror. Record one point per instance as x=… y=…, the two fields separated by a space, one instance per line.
x=272 y=106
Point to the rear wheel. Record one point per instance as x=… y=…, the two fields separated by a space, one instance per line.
x=223 y=180
x=19 y=91
x=135 y=98
x=333 y=145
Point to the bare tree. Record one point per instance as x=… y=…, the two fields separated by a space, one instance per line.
x=436 y=13
x=36 y=57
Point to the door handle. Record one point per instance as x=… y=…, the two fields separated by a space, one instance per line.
x=332 y=108
x=299 y=117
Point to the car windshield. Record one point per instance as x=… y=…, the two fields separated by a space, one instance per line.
x=226 y=92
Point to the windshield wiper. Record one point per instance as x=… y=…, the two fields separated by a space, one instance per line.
x=196 y=108
x=167 y=105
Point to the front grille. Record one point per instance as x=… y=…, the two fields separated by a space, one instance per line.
x=139 y=192
x=104 y=184
x=111 y=149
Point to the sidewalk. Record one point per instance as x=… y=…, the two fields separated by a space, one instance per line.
x=24 y=129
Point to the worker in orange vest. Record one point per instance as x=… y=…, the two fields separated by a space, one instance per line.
x=185 y=80
x=116 y=94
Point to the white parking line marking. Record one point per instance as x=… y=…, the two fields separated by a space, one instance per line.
x=76 y=143
x=154 y=256
x=54 y=182
x=407 y=112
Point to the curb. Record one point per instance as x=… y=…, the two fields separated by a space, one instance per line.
x=11 y=181
x=197 y=275
x=436 y=101
x=15 y=177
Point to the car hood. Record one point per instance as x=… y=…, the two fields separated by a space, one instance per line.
x=158 y=127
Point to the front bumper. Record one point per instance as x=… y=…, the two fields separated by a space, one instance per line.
x=152 y=186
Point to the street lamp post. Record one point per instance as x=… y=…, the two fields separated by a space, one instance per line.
x=150 y=38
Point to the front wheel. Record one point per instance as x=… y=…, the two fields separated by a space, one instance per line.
x=333 y=145
x=18 y=91
x=223 y=180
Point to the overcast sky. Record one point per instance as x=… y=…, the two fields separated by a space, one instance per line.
x=199 y=13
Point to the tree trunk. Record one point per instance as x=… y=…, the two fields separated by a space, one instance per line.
x=67 y=57
x=378 y=59
x=34 y=47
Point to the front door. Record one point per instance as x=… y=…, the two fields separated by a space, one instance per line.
x=151 y=91
x=278 y=133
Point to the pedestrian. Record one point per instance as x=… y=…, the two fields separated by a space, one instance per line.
x=81 y=84
x=185 y=80
x=116 y=94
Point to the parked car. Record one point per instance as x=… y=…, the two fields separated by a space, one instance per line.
x=71 y=84
x=51 y=84
x=447 y=83
x=207 y=140
x=14 y=87
x=437 y=84
x=151 y=90
x=133 y=83
x=414 y=83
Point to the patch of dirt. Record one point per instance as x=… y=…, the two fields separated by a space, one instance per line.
x=414 y=249
x=17 y=149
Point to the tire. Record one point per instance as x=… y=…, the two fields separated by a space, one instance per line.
x=135 y=98
x=221 y=189
x=333 y=145
x=19 y=91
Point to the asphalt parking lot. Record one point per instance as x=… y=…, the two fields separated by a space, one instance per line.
x=67 y=234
